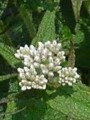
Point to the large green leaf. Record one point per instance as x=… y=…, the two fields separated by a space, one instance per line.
x=61 y=104
x=46 y=30
x=8 y=54
x=76 y=5
x=36 y=109
x=72 y=101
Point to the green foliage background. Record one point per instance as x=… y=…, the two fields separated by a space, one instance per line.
x=29 y=21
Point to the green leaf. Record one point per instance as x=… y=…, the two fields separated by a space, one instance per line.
x=87 y=5
x=11 y=100
x=74 y=102
x=34 y=109
x=83 y=52
x=3 y=4
x=76 y=5
x=46 y=30
x=11 y=108
x=79 y=36
x=5 y=77
x=27 y=17
x=5 y=37
x=37 y=109
x=8 y=54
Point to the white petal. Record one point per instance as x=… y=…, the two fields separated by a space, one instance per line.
x=23 y=88
x=17 y=55
x=69 y=83
x=28 y=87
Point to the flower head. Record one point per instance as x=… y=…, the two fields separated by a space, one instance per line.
x=68 y=76
x=41 y=64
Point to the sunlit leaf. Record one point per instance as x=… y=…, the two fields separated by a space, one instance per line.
x=74 y=102
x=8 y=54
x=46 y=30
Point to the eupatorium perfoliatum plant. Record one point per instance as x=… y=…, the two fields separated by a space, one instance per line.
x=43 y=64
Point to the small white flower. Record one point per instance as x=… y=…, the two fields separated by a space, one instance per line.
x=51 y=66
x=21 y=49
x=43 y=58
x=23 y=88
x=61 y=55
x=40 y=44
x=32 y=77
x=28 y=87
x=45 y=71
x=59 y=45
x=70 y=83
x=57 y=61
x=50 y=59
x=20 y=70
x=43 y=67
x=47 y=44
x=40 y=47
x=32 y=48
x=45 y=80
x=42 y=76
x=77 y=76
x=51 y=74
x=28 y=75
x=57 y=68
x=37 y=58
x=22 y=75
x=36 y=65
x=26 y=69
x=17 y=55
x=54 y=43
x=26 y=48
x=24 y=81
x=50 y=53
x=20 y=83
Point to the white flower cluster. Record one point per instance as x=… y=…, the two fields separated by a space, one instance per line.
x=68 y=76
x=42 y=63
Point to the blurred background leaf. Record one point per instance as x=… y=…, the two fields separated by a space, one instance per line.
x=76 y=5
